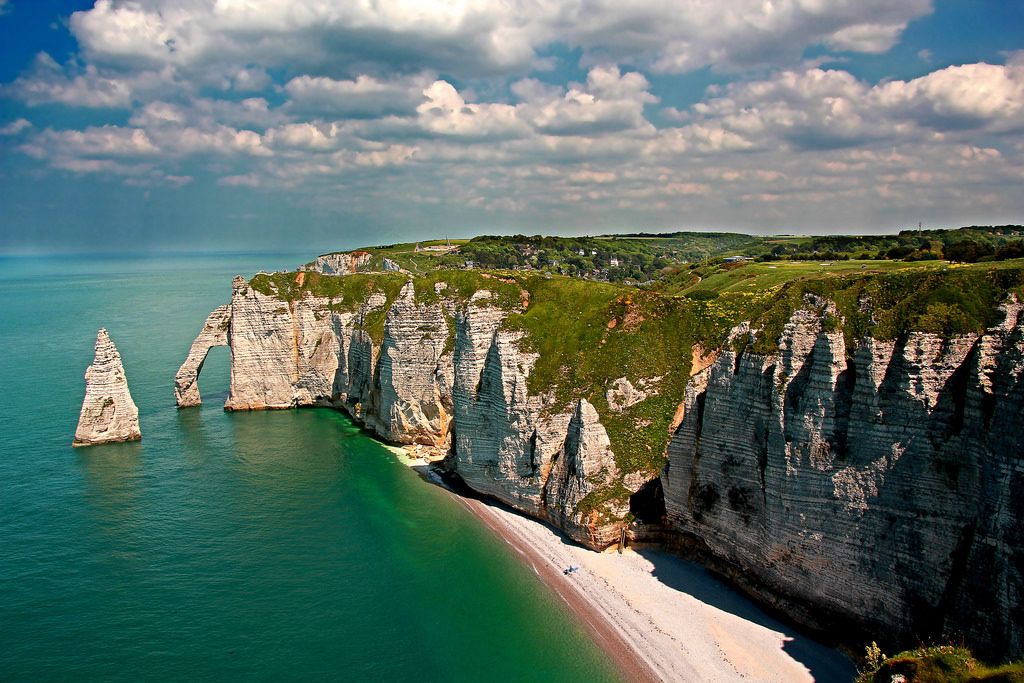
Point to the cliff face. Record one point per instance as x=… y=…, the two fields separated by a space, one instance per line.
x=340 y=264
x=880 y=486
x=876 y=486
x=441 y=373
x=108 y=412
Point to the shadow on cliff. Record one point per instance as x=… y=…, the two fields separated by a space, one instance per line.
x=823 y=662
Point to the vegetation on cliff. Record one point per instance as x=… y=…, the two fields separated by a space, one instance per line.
x=588 y=335
x=638 y=258
x=937 y=664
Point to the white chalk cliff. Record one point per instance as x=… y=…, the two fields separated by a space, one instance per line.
x=441 y=374
x=878 y=489
x=877 y=486
x=108 y=412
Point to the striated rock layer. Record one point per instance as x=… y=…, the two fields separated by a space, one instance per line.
x=442 y=374
x=877 y=486
x=880 y=486
x=108 y=412
x=340 y=264
x=214 y=333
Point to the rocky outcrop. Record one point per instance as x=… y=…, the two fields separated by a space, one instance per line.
x=441 y=372
x=875 y=486
x=214 y=333
x=878 y=486
x=340 y=264
x=108 y=412
x=623 y=394
x=584 y=465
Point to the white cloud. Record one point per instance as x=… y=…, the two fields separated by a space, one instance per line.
x=608 y=101
x=822 y=109
x=363 y=96
x=250 y=79
x=48 y=82
x=445 y=112
x=105 y=141
x=970 y=96
x=871 y=38
x=15 y=127
x=479 y=37
x=393 y=106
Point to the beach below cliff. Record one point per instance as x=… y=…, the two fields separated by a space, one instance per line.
x=659 y=617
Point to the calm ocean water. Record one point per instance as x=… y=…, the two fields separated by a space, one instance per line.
x=256 y=546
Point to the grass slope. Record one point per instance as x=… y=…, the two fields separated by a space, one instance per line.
x=588 y=334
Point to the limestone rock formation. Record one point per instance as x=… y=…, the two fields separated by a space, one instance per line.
x=340 y=264
x=878 y=486
x=214 y=333
x=442 y=373
x=108 y=412
x=584 y=464
x=623 y=394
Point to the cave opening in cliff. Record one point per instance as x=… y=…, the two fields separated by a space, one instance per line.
x=648 y=503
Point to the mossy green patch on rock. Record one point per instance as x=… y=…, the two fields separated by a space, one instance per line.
x=947 y=302
x=587 y=335
x=938 y=664
x=345 y=293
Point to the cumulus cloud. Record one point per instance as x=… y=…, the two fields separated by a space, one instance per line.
x=608 y=101
x=392 y=106
x=48 y=82
x=15 y=127
x=480 y=37
x=361 y=97
x=823 y=109
x=445 y=112
x=968 y=96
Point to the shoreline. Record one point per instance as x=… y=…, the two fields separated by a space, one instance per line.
x=633 y=667
x=657 y=616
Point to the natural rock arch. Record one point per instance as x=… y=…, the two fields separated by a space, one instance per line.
x=214 y=333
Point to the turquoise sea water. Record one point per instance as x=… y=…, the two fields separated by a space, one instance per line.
x=224 y=546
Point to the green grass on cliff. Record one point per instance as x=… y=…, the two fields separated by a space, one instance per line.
x=345 y=293
x=948 y=302
x=587 y=334
x=941 y=664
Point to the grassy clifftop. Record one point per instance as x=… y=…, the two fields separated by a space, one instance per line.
x=590 y=334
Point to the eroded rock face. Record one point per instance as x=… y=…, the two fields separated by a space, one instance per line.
x=623 y=394
x=444 y=374
x=877 y=485
x=584 y=464
x=214 y=333
x=340 y=264
x=108 y=412
x=878 y=489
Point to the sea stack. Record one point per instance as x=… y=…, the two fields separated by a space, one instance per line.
x=108 y=412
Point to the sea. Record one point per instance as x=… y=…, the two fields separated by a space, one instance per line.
x=264 y=546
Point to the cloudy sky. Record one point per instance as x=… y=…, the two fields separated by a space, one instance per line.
x=231 y=124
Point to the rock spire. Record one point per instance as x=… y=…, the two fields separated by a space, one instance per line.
x=108 y=412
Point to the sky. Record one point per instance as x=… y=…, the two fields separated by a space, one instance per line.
x=132 y=125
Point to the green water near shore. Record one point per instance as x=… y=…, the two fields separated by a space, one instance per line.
x=270 y=546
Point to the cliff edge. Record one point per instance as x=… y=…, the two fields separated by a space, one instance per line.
x=850 y=451
x=876 y=486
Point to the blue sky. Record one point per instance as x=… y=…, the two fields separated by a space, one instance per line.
x=244 y=124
